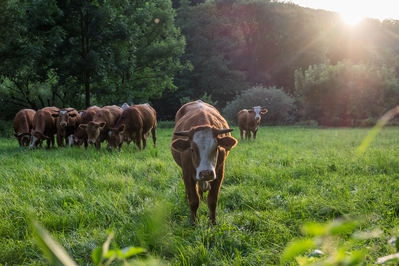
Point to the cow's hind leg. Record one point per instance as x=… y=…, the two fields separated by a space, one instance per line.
x=247 y=134
x=241 y=133
x=154 y=136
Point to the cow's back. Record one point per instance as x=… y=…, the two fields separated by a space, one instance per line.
x=109 y=114
x=198 y=113
x=43 y=121
x=23 y=121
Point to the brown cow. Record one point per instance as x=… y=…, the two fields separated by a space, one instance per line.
x=249 y=120
x=134 y=124
x=44 y=127
x=103 y=120
x=200 y=144
x=22 y=125
x=68 y=120
x=80 y=135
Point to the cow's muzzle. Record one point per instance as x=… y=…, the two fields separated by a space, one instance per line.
x=206 y=175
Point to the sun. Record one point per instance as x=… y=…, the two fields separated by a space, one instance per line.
x=352 y=18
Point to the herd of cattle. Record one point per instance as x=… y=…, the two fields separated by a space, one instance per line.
x=200 y=143
x=91 y=126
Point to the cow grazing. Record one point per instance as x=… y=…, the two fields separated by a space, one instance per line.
x=80 y=135
x=135 y=123
x=103 y=120
x=68 y=120
x=44 y=127
x=249 y=120
x=200 y=144
x=22 y=125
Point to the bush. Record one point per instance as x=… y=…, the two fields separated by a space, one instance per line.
x=276 y=101
x=6 y=129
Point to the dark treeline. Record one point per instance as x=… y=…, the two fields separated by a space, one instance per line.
x=227 y=52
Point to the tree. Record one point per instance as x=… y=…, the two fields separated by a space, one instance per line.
x=74 y=53
x=119 y=51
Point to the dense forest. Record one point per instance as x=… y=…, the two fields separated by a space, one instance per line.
x=303 y=65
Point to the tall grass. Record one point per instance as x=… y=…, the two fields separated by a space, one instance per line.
x=287 y=177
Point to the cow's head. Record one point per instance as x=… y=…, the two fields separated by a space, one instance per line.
x=93 y=130
x=37 y=139
x=63 y=115
x=204 y=142
x=257 y=111
x=115 y=137
x=77 y=141
x=23 y=138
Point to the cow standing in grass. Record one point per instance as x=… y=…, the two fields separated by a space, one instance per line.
x=43 y=127
x=103 y=120
x=249 y=120
x=200 y=144
x=22 y=124
x=68 y=120
x=80 y=135
x=135 y=123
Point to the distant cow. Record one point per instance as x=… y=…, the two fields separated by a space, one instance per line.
x=200 y=144
x=22 y=125
x=125 y=105
x=103 y=120
x=249 y=120
x=68 y=120
x=80 y=135
x=134 y=124
x=44 y=127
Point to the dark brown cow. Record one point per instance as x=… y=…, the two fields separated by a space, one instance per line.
x=80 y=135
x=249 y=120
x=68 y=120
x=103 y=120
x=134 y=124
x=44 y=127
x=22 y=125
x=200 y=144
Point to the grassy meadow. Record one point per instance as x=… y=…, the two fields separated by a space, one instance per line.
x=288 y=177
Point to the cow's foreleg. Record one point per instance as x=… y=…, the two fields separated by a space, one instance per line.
x=192 y=195
x=254 y=134
x=213 y=194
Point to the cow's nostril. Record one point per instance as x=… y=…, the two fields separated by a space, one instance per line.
x=206 y=175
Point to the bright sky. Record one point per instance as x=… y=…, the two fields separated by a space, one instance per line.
x=380 y=9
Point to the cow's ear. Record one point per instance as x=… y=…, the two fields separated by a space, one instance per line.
x=227 y=142
x=102 y=124
x=121 y=129
x=83 y=126
x=250 y=110
x=181 y=145
x=55 y=114
x=264 y=111
x=72 y=114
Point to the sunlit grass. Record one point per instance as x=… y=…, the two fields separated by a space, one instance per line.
x=287 y=177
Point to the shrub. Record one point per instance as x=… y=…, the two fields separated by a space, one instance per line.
x=276 y=101
x=6 y=129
